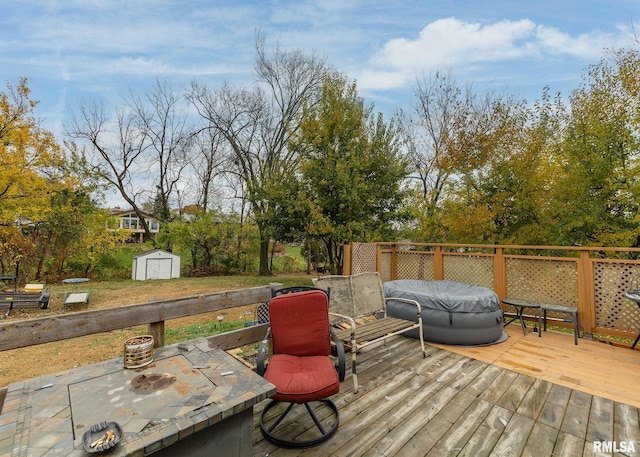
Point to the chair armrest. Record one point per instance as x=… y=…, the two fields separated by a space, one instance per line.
x=340 y=366
x=262 y=353
x=351 y=320
x=405 y=300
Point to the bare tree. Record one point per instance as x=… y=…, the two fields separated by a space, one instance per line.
x=162 y=114
x=209 y=162
x=427 y=129
x=118 y=149
x=258 y=122
x=452 y=133
x=148 y=141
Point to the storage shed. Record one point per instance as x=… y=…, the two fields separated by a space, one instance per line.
x=156 y=264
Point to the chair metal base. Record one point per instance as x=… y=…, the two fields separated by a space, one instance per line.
x=285 y=442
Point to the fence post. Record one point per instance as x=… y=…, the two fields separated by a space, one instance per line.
x=394 y=262
x=346 y=259
x=586 y=293
x=156 y=330
x=499 y=273
x=438 y=264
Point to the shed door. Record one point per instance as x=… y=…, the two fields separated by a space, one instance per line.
x=158 y=268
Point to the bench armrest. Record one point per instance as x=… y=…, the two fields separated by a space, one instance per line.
x=349 y=319
x=405 y=300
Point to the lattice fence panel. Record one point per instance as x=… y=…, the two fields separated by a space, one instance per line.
x=613 y=310
x=363 y=257
x=543 y=280
x=469 y=268
x=385 y=267
x=415 y=265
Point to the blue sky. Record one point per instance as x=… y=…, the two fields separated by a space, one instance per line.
x=102 y=49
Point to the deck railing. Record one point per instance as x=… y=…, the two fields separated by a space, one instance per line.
x=593 y=279
x=48 y=329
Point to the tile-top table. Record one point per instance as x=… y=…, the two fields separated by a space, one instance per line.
x=193 y=399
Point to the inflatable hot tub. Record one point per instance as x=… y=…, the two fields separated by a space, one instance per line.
x=452 y=312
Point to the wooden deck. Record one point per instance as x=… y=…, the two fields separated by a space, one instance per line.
x=527 y=396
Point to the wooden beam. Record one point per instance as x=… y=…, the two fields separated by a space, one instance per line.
x=346 y=260
x=438 y=264
x=499 y=274
x=60 y=327
x=156 y=330
x=586 y=287
x=238 y=338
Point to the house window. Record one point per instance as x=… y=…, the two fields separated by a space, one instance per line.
x=154 y=224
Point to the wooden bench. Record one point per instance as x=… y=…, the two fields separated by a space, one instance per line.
x=35 y=297
x=358 y=308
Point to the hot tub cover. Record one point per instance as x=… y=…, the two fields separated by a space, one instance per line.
x=452 y=312
x=447 y=296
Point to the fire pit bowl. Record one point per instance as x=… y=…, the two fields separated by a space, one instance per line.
x=102 y=437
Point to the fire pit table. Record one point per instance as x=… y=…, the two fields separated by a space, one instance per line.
x=193 y=400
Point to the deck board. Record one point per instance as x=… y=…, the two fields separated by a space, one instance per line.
x=527 y=396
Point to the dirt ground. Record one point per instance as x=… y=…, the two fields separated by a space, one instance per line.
x=29 y=362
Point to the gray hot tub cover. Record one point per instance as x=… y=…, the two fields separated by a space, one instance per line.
x=452 y=312
x=447 y=296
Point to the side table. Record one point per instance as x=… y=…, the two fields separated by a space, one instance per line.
x=75 y=297
x=519 y=306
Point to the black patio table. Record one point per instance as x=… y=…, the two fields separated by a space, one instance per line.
x=519 y=306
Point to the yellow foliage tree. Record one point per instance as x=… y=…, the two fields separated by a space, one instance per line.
x=30 y=159
x=32 y=169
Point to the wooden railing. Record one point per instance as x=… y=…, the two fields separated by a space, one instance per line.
x=31 y=332
x=596 y=285
x=593 y=279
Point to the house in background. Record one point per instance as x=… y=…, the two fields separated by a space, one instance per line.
x=127 y=219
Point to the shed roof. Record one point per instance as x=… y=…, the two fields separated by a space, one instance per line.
x=153 y=251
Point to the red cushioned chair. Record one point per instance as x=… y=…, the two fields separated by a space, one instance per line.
x=301 y=366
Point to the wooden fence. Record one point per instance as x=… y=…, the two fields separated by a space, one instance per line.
x=593 y=279
x=29 y=332
x=582 y=277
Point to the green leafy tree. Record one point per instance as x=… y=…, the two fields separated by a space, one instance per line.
x=351 y=170
x=597 y=198
x=508 y=200
x=217 y=243
x=74 y=235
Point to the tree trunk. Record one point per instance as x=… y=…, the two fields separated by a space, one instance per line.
x=264 y=257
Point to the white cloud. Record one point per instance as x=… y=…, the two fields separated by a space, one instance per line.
x=455 y=44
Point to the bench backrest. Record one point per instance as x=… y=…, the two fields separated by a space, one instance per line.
x=355 y=296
